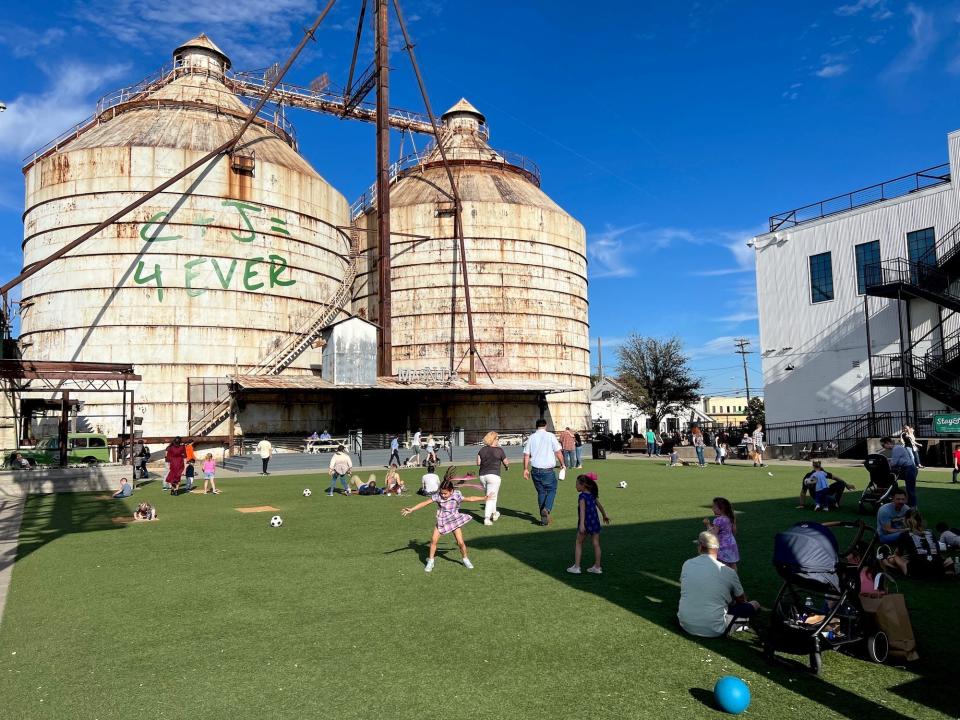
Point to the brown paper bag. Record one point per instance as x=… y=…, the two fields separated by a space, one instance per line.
x=890 y=612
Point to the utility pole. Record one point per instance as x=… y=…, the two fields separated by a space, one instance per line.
x=599 y=360
x=742 y=345
x=385 y=310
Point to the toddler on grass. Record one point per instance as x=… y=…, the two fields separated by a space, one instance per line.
x=589 y=522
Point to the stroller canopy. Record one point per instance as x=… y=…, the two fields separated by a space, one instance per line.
x=879 y=468
x=807 y=554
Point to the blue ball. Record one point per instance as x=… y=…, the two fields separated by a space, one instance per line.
x=731 y=694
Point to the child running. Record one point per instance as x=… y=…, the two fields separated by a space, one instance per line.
x=209 y=470
x=724 y=526
x=589 y=523
x=449 y=519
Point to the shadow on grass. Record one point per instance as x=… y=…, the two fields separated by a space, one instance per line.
x=49 y=517
x=641 y=574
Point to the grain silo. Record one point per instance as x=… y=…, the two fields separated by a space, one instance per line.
x=527 y=270
x=205 y=279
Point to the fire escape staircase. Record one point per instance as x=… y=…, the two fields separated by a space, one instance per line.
x=284 y=355
x=936 y=278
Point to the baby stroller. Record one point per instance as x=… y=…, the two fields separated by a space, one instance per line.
x=880 y=487
x=818 y=607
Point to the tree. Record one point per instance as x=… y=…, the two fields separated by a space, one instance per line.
x=756 y=415
x=655 y=377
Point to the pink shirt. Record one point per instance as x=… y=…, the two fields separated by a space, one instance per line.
x=209 y=466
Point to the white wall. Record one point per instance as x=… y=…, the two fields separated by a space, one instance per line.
x=823 y=340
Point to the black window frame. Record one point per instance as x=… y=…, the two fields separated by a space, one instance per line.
x=862 y=266
x=818 y=277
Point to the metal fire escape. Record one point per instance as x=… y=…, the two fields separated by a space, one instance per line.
x=934 y=277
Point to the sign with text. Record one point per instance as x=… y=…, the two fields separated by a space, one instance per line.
x=947 y=424
x=426 y=375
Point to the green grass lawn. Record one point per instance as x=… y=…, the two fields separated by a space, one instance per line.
x=211 y=613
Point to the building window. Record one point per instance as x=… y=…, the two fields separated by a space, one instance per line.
x=821 y=277
x=868 y=265
x=921 y=247
x=728 y=408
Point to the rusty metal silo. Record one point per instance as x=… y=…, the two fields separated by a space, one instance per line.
x=527 y=270
x=205 y=279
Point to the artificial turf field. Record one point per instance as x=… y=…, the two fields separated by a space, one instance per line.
x=211 y=613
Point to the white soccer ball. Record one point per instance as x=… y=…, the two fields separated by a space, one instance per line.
x=622 y=484
x=276 y=521
x=307 y=493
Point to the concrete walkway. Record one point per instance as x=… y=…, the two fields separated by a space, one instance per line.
x=11 y=514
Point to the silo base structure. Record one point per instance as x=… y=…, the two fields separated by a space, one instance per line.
x=206 y=278
x=527 y=270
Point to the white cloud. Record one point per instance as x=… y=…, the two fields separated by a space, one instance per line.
x=608 y=255
x=24 y=42
x=251 y=32
x=923 y=39
x=33 y=119
x=831 y=71
x=718 y=346
x=857 y=7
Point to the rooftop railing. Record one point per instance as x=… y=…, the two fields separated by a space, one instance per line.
x=898 y=187
x=427 y=155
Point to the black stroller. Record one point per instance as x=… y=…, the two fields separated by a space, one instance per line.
x=818 y=607
x=880 y=487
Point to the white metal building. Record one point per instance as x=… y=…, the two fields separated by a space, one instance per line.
x=863 y=265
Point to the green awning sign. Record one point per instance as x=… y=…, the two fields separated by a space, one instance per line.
x=947 y=424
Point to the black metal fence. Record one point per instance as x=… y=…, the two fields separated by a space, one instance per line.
x=840 y=434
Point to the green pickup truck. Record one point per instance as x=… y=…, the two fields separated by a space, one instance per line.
x=82 y=448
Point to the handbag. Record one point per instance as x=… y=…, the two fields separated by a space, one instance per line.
x=889 y=611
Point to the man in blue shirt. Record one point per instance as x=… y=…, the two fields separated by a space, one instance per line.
x=394 y=451
x=902 y=463
x=891 y=519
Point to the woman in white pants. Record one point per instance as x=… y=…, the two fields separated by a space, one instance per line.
x=490 y=458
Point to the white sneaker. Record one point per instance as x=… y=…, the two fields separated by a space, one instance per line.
x=816 y=508
x=429 y=566
x=467 y=564
x=487 y=521
x=574 y=569
x=595 y=570
x=495 y=516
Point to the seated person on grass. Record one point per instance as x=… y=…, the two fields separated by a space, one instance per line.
x=891 y=519
x=392 y=483
x=124 y=491
x=711 y=595
x=430 y=482
x=668 y=447
x=948 y=536
x=145 y=511
x=834 y=490
x=919 y=553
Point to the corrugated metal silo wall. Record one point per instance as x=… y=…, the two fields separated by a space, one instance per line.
x=527 y=271
x=203 y=279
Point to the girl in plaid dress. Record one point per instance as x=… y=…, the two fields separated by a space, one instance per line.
x=449 y=519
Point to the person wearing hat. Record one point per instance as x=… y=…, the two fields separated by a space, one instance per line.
x=711 y=596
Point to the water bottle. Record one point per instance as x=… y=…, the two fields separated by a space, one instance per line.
x=808 y=605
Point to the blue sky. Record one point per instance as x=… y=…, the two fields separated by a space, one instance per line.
x=670 y=130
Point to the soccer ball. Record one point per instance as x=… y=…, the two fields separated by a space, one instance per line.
x=622 y=484
x=276 y=521
x=307 y=493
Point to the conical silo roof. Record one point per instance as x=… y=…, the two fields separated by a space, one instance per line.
x=482 y=173
x=190 y=109
x=202 y=42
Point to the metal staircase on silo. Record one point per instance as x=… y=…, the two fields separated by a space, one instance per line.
x=284 y=355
